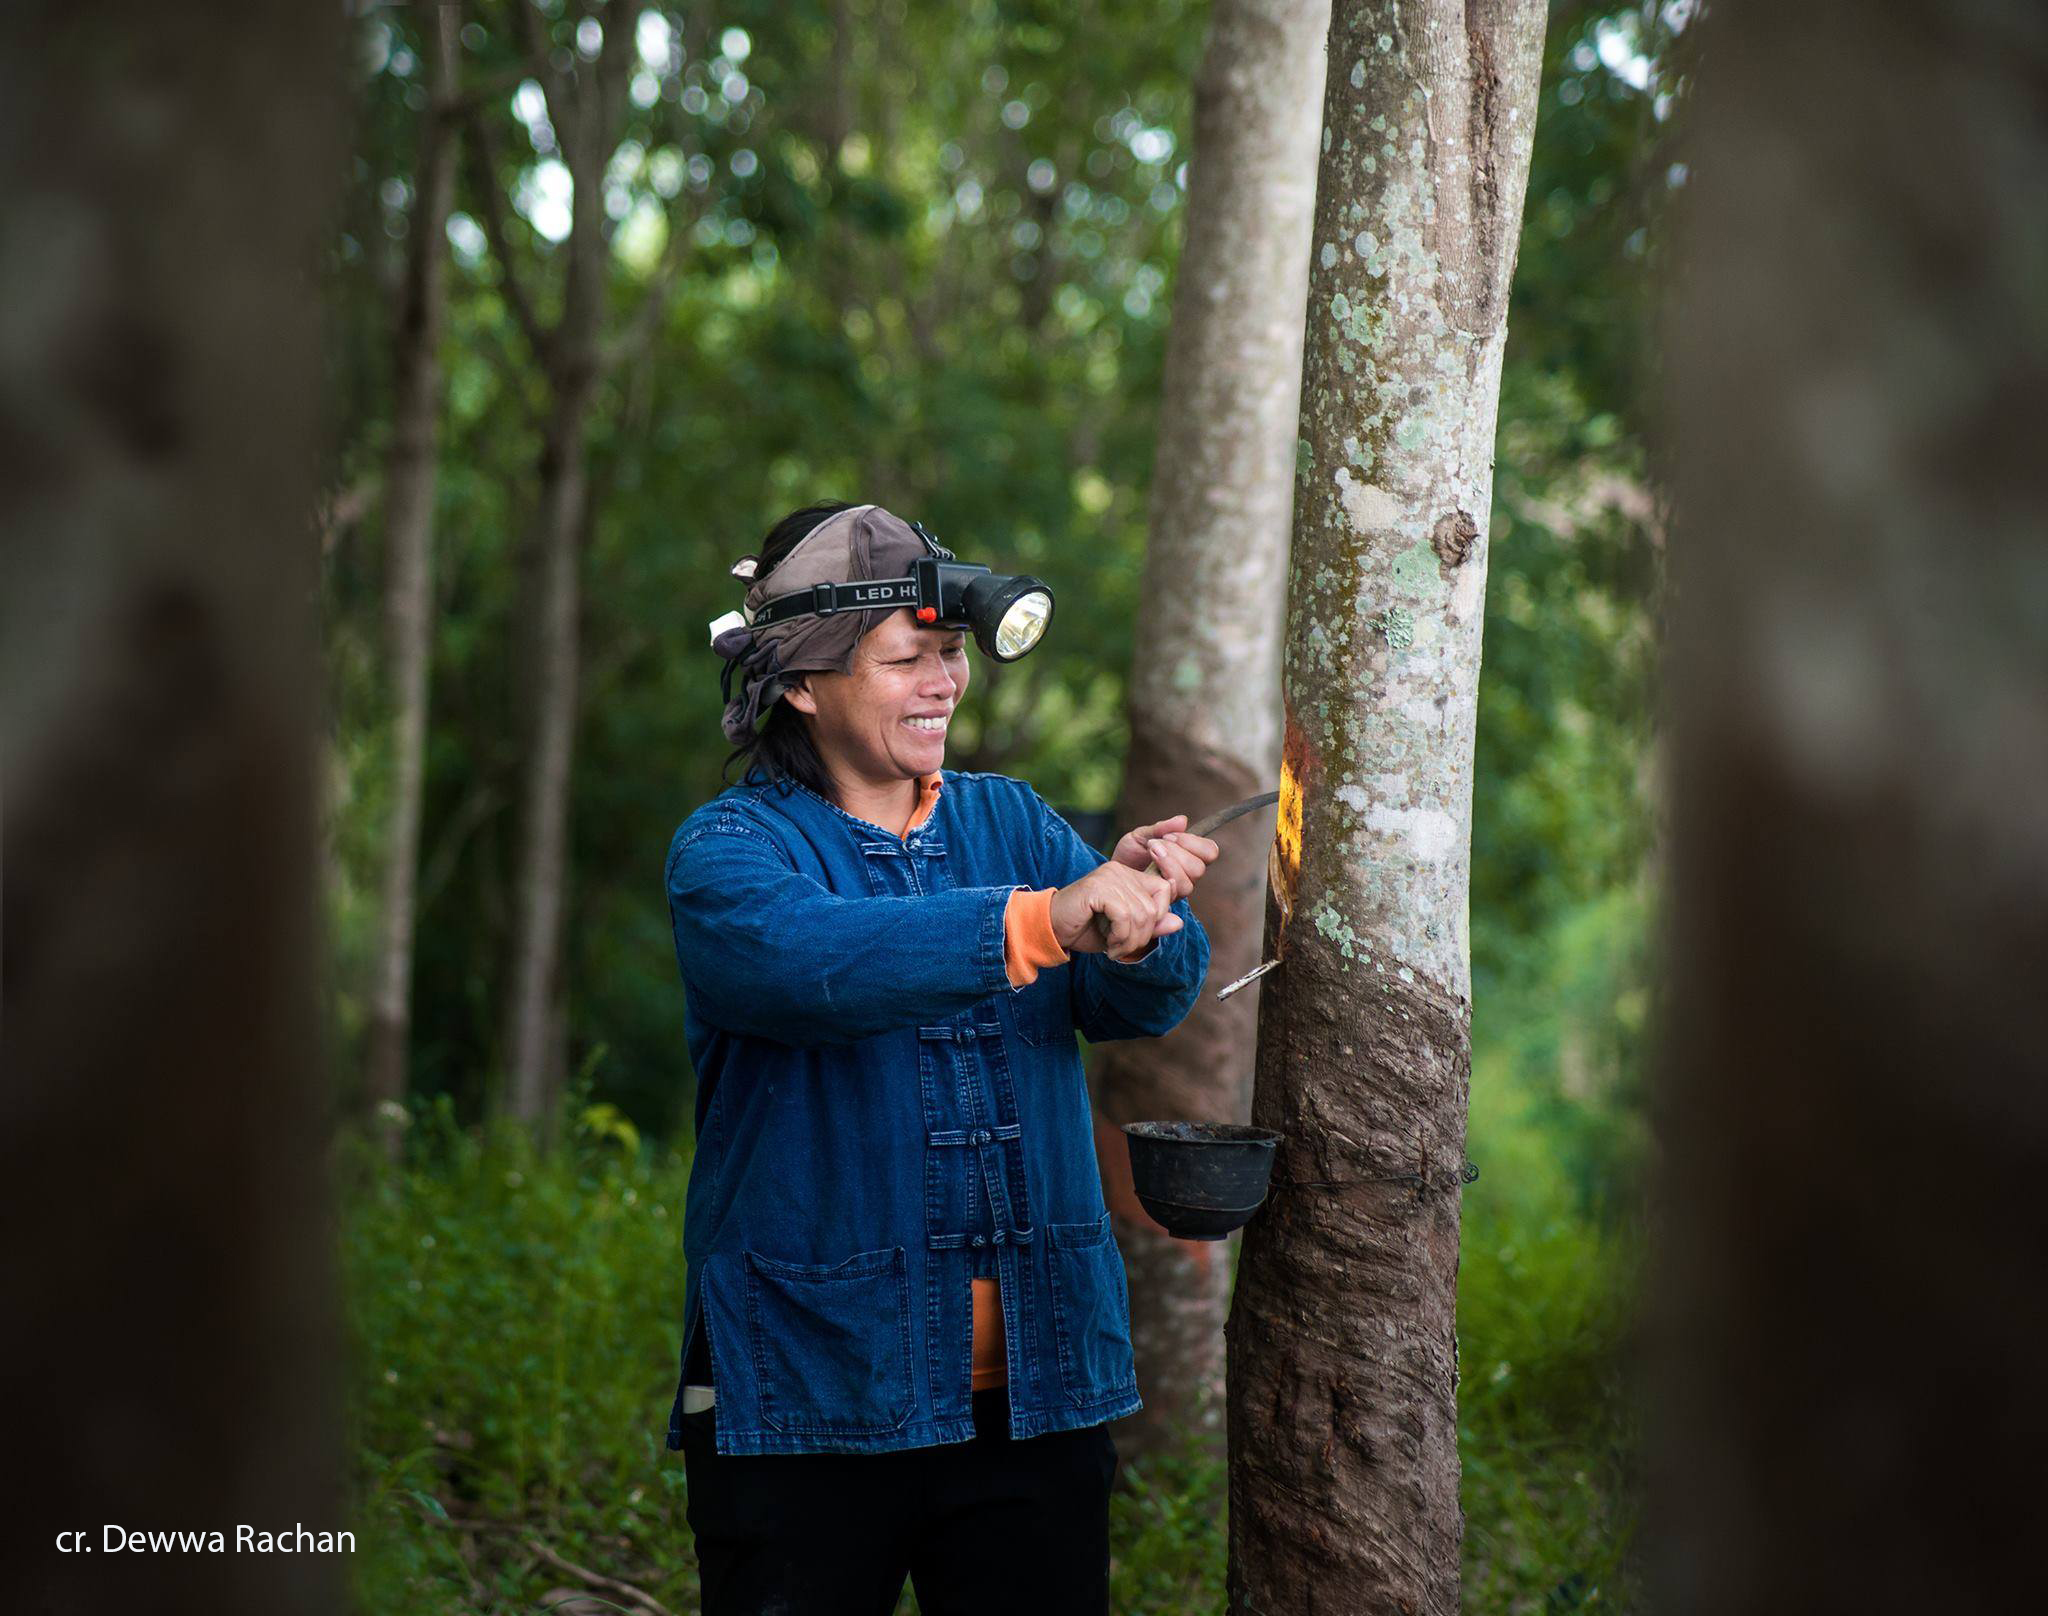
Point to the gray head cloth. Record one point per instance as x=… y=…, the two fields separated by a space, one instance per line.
x=851 y=546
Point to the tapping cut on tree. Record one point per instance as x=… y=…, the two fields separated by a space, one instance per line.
x=1342 y=1338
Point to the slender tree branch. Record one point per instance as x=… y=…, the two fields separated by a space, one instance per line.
x=597 y=1579
x=600 y=90
x=512 y=371
x=439 y=865
x=498 y=86
x=338 y=510
x=540 y=50
x=483 y=164
x=640 y=327
x=608 y=74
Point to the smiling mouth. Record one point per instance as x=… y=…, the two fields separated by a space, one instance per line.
x=927 y=726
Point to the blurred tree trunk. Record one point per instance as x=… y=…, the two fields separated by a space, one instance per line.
x=1205 y=681
x=1855 y=1105
x=164 y=1124
x=585 y=99
x=409 y=484
x=1343 y=1347
x=583 y=103
x=535 y=1046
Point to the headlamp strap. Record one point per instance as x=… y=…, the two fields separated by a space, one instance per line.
x=824 y=599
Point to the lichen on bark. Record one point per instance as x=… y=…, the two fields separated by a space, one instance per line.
x=1342 y=1337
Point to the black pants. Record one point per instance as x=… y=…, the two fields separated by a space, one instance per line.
x=986 y=1527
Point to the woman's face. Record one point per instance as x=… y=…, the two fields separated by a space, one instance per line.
x=886 y=717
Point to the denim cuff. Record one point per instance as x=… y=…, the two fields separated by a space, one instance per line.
x=994 y=962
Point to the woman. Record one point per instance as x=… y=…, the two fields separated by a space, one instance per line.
x=905 y=1321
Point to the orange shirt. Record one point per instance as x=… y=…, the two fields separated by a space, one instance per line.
x=1028 y=947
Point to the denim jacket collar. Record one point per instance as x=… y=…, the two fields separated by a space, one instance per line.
x=868 y=824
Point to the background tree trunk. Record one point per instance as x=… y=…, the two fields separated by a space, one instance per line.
x=1856 y=1099
x=163 y=1123
x=535 y=1051
x=535 y=1044
x=1205 y=679
x=1343 y=1347
x=409 y=484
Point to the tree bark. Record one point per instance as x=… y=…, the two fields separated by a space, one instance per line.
x=1205 y=679
x=410 y=477
x=164 y=1125
x=1855 y=1099
x=1342 y=1340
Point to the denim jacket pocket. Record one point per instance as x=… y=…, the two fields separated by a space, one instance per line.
x=1045 y=1017
x=1091 y=1311
x=831 y=1343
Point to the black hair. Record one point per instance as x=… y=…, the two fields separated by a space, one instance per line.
x=780 y=751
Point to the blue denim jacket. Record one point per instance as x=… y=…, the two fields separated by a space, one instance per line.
x=881 y=1117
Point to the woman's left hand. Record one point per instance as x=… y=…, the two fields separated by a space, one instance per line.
x=1182 y=858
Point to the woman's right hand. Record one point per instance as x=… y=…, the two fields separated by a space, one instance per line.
x=1135 y=905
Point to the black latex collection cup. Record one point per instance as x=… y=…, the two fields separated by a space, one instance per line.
x=1200 y=1180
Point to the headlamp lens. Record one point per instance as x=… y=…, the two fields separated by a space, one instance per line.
x=1023 y=624
x=1008 y=611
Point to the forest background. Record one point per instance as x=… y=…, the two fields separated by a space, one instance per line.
x=922 y=256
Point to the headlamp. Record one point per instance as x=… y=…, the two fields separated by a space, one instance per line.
x=1006 y=612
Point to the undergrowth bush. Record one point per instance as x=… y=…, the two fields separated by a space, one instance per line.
x=1544 y=1428
x=514 y=1324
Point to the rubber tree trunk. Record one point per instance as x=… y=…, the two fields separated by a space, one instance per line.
x=1343 y=1355
x=164 y=1121
x=1855 y=1105
x=1205 y=681
x=410 y=475
x=536 y=1056
x=535 y=1044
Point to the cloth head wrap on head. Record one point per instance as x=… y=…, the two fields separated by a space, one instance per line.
x=851 y=546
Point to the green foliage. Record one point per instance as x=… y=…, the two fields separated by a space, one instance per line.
x=512 y=1319
x=1168 y=1535
x=1545 y=1432
x=1548 y=1264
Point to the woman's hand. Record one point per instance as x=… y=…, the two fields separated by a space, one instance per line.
x=1134 y=907
x=1182 y=858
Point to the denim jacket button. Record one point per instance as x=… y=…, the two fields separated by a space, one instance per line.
x=977 y=1241
x=967 y=1035
x=982 y=1136
x=997 y=1237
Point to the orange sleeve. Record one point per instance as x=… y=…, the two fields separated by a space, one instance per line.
x=1028 y=943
